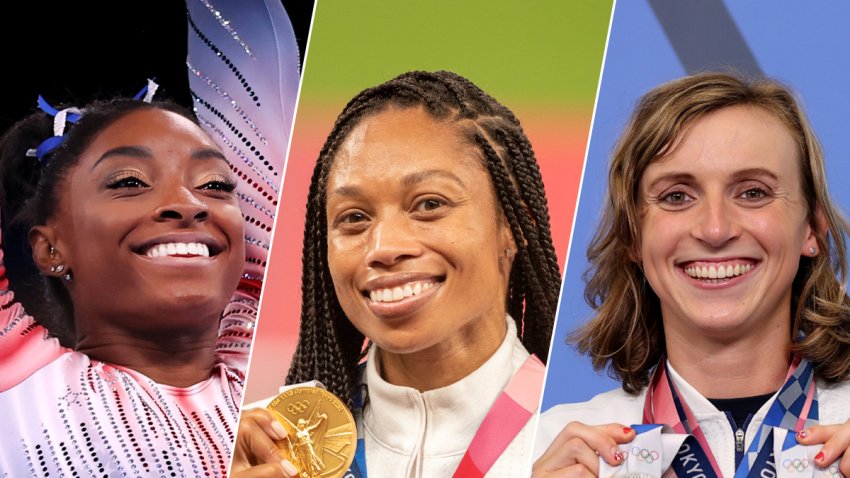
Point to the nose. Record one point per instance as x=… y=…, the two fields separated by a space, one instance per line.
x=391 y=240
x=717 y=222
x=181 y=205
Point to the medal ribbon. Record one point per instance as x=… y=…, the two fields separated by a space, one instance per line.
x=508 y=415
x=794 y=408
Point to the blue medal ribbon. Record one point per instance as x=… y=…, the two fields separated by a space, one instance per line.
x=788 y=410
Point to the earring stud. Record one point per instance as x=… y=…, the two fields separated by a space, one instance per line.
x=509 y=252
x=813 y=251
x=67 y=276
x=57 y=268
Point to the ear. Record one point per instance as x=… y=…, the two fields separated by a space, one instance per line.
x=46 y=254
x=507 y=245
x=634 y=255
x=816 y=229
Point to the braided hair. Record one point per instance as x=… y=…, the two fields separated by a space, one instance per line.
x=29 y=195
x=329 y=347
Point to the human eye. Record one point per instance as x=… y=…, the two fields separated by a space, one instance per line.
x=218 y=183
x=430 y=206
x=675 y=199
x=754 y=194
x=126 y=180
x=351 y=221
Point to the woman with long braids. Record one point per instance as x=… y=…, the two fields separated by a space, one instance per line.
x=427 y=237
x=719 y=283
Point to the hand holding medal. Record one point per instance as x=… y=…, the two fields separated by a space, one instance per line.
x=305 y=432
x=321 y=434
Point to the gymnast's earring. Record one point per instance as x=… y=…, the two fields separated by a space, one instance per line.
x=509 y=253
x=813 y=251
x=67 y=276
x=57 y=268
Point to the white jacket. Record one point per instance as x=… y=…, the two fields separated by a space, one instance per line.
x=413 y=434
x=616 y=406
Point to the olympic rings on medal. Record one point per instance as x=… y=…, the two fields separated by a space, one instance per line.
x=796 y=464
x=298 y=407
x=642 y=454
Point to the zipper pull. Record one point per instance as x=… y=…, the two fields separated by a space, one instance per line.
x=739 y=440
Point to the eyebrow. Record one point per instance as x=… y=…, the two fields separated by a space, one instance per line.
x=675 y=177
x=145 y=153
x=744 y=173
x=737 y=176
x=411 y=179
x=420 y=176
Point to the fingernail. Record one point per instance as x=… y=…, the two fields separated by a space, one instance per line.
x=279 y=430
x=819 y=456
x=628 y=430
x=288 y=468
x=618 y=454
x=802 y=435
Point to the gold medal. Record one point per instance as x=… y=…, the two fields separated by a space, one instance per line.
x=322 y=434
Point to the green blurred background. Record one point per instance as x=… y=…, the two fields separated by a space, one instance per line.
x=545 y=54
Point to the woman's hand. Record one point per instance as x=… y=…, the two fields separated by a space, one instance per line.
x=576 y=450
x=836 y=441
x=256 y=455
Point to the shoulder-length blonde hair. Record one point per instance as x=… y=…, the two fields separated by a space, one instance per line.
x=626 y=335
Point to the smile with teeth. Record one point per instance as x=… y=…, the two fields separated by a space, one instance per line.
x=719 y=271
x=179 y=249
x=398 y=293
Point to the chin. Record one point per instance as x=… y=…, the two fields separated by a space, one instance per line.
x=725 y=327
x=402 y=343
x=196 y=301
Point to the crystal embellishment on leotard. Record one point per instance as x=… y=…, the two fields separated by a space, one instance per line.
x=13 y=323
x=247 y=199
x=227 y=61
x=230 y=100
x=256 y=242
x=259 y=156
x=251 y=276
x=73 y=398
x=225 y=23
x=220 y=134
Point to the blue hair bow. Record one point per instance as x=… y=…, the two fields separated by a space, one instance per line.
x=62 y=117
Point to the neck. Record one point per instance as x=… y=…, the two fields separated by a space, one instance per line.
x=179 y=359
x=446 y=362
x=746 y=367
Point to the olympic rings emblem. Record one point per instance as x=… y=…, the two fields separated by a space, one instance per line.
x=642 y=454
x=298 y=407
x=833 y=471
x=796 y=464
